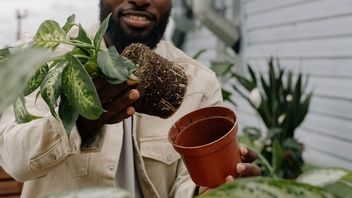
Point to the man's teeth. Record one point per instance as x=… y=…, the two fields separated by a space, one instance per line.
x=139 y=18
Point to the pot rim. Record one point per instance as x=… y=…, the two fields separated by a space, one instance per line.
x=235 y=125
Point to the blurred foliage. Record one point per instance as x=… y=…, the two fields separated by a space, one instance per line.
x=282 y=102
x=319 y=183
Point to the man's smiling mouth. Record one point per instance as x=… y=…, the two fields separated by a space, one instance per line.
x=137 y=19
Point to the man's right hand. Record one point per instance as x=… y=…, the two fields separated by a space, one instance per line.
x=117 y=100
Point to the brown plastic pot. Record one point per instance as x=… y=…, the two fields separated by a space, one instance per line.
x=206 y=140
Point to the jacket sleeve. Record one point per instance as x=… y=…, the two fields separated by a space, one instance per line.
x=31 y=150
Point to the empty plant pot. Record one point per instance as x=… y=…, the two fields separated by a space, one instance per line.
x=207 y=142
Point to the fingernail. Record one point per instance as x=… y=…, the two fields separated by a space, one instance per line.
x=240 y=168
x=244 y=151
x=130 y=111
x=133 y=94
x=229 y=179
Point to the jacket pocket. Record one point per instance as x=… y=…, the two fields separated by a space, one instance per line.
x=159 y=149
x=78 y=165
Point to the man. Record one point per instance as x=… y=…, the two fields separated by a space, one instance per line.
x=132 y=154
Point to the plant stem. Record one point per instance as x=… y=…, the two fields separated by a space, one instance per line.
x=267 y=165
x=78 y=44
x=81 y=56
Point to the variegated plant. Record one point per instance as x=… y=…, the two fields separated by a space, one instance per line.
x=67 y=78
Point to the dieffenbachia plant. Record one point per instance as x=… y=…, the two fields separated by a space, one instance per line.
x=67 y=78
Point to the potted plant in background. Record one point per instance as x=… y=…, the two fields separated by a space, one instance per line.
x=282 y=103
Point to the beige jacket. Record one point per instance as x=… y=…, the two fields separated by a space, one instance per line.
x=40 y=153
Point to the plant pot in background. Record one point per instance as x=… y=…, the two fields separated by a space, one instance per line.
x=206 y=140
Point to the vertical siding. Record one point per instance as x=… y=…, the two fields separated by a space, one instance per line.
x=313 y=36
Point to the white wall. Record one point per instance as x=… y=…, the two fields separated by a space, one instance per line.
x=312 y=36
x=315 y=37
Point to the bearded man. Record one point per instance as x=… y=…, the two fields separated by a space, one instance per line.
x=131 y=151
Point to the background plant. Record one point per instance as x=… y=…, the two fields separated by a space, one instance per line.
x=282 y=103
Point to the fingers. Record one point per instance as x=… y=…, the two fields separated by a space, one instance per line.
x=247 y=170
x=123 y=101
x=120 y=108
x=109 y=92
x=248 y=155
x=129 y=111
x=229 y=179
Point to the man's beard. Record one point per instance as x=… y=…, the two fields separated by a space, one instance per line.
x=121 y=39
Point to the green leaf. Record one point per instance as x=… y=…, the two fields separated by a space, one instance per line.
x=35 y=80
x=226 y=95
x=277 y=157
x=50 y=89
x=249 y=85
x=21 y=113
x=14 y=73
x=115 y=67
x=83 y=36
x=4 y=54
x=68 y=114
x=79 y=89
x=101 y=32
x=199 y=53
x=49 y=35
x=267 y=188
x=343 y=187
x=303 y=110
x=323 y=177
x=91 y=65
x=252 y=74
x=70 y=22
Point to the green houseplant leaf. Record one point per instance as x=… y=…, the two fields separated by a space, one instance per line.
x=114 y=66
x=15 y=70
x=80 y=90
x=49 y=35
x=68 y=114
x=37 y=79
x=267 y=188
x=70 y=22
x=51 y=87
x=21 y=113
x=100 y=34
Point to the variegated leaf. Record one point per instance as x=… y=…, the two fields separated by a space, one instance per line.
x=35 y=80
x=83 y=36
x=80 y=90
x=49 y=35
x=21 y=113
x=101 y=32
x=4 y=53
x=50 y=89
x=91 y=65
x=68 y=114
x=14 y=73
x=70 y=22
x=115 y=67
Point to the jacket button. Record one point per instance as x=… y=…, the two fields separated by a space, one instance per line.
x=145 y=180
x=111 y=168
x=53 y=156
x=74 y=147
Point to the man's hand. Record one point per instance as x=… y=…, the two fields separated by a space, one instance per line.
x=117 y=100
x=244 y=169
